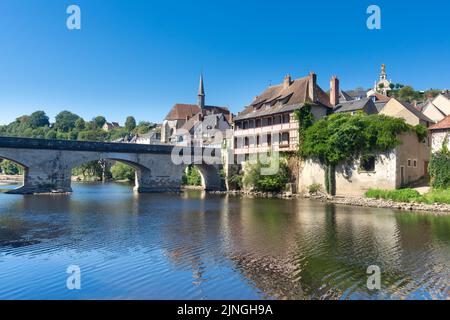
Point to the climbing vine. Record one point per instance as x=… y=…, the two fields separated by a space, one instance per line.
x=305 y=120
x=345 y=137
x=440 y=167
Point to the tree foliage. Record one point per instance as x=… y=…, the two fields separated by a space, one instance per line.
x=192 y=177
x=130 y=124
x=343 y=136
x=122 y=171
x=266 y=183
x=439 y=168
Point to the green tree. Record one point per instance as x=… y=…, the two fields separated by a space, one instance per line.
x=130 y=124
x=80 y=124
x=99 y=121
x=254 y=178
x=51 y=135
x=38 y=119
x=65 y=121
x=121 y=171
x=9 y=167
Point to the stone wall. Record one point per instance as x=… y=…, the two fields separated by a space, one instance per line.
x=438 y=138
x=50 y=170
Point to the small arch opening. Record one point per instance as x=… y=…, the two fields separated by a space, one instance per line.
x=108 y=170
x=12 y=174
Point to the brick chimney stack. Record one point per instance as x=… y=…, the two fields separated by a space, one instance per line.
x=287 y=81
x=312 y=86
x=334 y=91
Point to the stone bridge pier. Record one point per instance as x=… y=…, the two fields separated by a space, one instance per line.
x=48 y=164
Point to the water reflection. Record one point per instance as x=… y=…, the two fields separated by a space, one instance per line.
x=200 y=246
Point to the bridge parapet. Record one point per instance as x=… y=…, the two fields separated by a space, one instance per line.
x=48 y=163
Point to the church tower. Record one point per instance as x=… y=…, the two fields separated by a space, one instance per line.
x=201 y=94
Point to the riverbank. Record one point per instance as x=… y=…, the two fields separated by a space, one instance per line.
x=439 y=209
x=6 y=179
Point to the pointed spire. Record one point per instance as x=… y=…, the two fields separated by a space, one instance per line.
x=201 y=93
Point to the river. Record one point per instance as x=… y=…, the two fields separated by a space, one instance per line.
x=200 y=246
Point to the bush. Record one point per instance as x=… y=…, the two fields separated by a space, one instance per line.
x=267 y=183
x=437 y=196
x=440 y=169
x=121 y=171
x=192 y=177
x=9 y=167
x=402 y=195
x=314 y=188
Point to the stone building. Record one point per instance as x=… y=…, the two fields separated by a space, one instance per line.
x=108 y=126
x=390 y=170
x=268 y=123
x=440 y=133
x=411 y=115
x=204 y=130
x=438 y=108
x=180 y=114
x=383 y=85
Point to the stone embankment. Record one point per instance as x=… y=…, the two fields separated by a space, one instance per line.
x=436 y=208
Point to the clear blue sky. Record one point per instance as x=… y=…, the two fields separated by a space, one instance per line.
x=140 y=57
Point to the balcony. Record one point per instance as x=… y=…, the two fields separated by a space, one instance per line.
x=266 y=129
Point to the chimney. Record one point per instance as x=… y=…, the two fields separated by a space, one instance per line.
x=287 y=81
x=312 y=86
x=334 y=91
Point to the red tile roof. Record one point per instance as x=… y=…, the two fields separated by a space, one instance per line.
x=181 y=111
x=443 y=124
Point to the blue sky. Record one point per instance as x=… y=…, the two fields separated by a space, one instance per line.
x=140 y=57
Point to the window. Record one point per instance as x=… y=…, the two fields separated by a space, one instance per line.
x=367 y=164
x=285 y=138
x=269 y=140
x=258 y=142
x=246 y=141
x=409 y=162
x=269 y=121
x=245 y=126
x=258 y=123
x=415 y=163
x=286 y=118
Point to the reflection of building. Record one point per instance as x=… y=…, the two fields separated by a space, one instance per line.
x=269 y=122
x=183 y=117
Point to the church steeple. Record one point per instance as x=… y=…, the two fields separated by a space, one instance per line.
x=201 y=94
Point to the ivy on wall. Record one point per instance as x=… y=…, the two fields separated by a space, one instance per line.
x=346 y=137
x=439 y=167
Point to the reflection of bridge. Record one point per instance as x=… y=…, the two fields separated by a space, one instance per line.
x=48 y=163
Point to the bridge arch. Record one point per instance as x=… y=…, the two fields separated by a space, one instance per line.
x=210 y=176
x=48 y=164
x=142 y=173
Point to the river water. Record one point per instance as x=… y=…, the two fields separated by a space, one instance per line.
x=197 y=246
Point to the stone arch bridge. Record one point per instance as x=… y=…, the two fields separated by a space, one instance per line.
x=48 y=163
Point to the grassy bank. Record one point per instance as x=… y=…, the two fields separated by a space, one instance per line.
x=411 y=195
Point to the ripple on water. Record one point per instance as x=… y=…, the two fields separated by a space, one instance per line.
x=212 y=247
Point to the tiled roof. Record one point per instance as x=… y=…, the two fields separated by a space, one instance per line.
x=181 y=111
x=281 y=98
x=416 y=112
x=380 y=105
x=380 y=97
x=356 y=105
x=443 y=124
